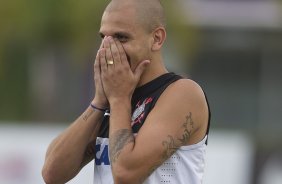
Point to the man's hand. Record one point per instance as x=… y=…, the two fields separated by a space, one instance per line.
x=119 y=81
x=100 y=98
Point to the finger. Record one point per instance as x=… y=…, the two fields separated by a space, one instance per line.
x=141 y=68
x=109 y=56
x=102 y=44
x=122 y=54
x=97 y=65
x=115 y=51
x=103 y=63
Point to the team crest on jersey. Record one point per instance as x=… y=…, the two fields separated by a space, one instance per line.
x=138 y=114
x=138 y=111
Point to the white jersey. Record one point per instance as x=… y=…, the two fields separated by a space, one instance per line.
x=185 y=166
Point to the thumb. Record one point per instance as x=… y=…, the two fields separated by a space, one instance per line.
x=140 y=68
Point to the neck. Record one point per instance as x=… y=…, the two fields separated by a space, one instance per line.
x=155 y=69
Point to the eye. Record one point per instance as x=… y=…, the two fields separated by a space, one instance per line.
x=121 y=38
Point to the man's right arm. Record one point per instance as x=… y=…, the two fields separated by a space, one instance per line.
x=73 y=148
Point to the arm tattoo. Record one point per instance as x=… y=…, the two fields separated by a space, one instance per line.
x=118 y=140
x=169 y=147
x=187 y=133
x=172 y=144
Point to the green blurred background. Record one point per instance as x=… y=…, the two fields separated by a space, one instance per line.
x=233 y=49
x=46 y=51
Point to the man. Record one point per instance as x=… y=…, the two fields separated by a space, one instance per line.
x=156 y=128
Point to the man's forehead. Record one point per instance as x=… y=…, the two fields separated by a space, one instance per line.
x=118 y=21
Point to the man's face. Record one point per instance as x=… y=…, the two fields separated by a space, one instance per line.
x=124 y=26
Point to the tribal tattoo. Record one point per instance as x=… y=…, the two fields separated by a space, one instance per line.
x=172 y=144
x=170 y=147
x=118 y=141
x=187 y=133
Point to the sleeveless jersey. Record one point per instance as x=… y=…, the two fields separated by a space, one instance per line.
x=185 y=166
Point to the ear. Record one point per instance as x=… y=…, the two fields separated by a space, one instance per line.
x=159 y=36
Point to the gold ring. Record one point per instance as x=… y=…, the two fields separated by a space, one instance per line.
x=111 y=62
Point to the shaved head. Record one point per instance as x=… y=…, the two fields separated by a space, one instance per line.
x=149 y=13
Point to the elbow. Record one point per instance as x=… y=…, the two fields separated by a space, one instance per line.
x=49 y=175
x=123 y=179
x=56 y=171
